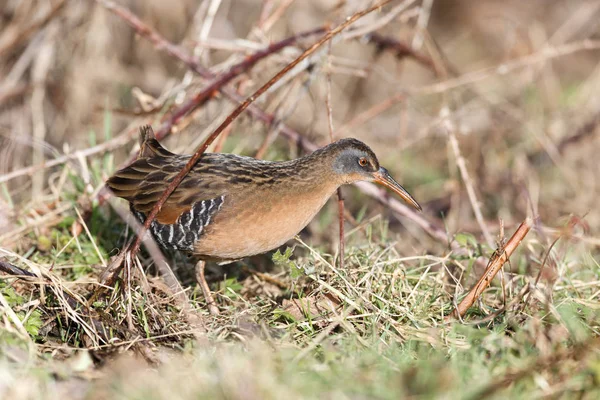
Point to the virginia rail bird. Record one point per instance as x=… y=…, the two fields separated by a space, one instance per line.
x=230 y=207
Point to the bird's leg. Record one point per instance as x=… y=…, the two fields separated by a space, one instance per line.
x=212 y=306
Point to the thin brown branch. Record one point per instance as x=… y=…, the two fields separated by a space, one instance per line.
x=586 y=130
x=500 y=257
x=402 y=50
x=12 y=92
x=264 y=146
x=339 y=190
x=146 y=31
x=542 y=266
x=464 y=173
x=114 y=143
x=184 y=56
x=217 y=83
x=541 y=56
x=370 y=113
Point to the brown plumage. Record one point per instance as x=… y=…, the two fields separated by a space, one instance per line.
x=229 y=207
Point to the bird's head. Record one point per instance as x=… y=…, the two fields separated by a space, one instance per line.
x=354 y=161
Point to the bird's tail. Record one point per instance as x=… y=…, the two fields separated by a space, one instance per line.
x=128 y=181
x=149 y=146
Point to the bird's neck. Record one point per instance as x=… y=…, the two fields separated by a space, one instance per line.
x=313 y=172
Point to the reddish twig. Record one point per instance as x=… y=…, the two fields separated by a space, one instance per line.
x=500 y=257
x=402 y=50
x=116 y=269
x=221 y=142
x=146 y=31
x=184 y=56
x=339 y=190
x=221 y=80
x=586 y=130
x=341 y=219
x=269 y=138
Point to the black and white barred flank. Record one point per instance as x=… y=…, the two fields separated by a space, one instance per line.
x=187 y=230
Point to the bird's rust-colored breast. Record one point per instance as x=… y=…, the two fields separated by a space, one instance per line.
x=259 y=220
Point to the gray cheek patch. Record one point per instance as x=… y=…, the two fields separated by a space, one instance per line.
x=188 y=229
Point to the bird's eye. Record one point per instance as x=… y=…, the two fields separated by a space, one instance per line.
x=362 y=162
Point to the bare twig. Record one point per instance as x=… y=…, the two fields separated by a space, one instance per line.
x=495 y=263
x=40 y=69
x=370 y=113
x=339 y=190
x=114 y=143
x=267 y=24
x=464 y=172
x=402 y=50
x=508 y=67
x=213 y=87
x=586 y=130
x=209 y=10
x=424 y=14
x=371 y=26
x=183 y=55
x=539 y=275
x=217 y=81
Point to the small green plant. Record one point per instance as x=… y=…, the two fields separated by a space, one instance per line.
x=230 y=287
x=32 y=321
x=283 y=261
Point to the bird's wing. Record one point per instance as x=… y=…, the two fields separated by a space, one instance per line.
x=143 y=182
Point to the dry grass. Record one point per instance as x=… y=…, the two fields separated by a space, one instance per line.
x=486 y=112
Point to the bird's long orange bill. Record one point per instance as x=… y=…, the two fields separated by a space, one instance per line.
x=384 y=178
